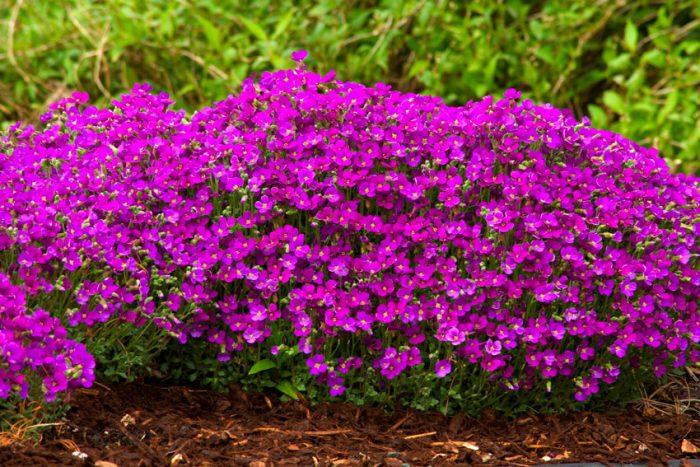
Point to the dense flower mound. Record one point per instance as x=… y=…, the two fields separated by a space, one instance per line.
x=500 y=235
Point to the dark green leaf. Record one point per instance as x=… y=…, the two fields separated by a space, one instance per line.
x=287 y=388
x=262 y=365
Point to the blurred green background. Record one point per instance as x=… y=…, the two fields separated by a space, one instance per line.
x=632 y=66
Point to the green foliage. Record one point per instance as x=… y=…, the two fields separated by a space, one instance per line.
x=122 y=351
x=262 y=365
x=465 y=390
x=631 y=66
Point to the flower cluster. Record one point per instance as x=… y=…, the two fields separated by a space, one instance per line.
x=504 y=234
x=36 y=343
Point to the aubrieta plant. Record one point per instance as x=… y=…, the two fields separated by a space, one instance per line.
x=371 y=230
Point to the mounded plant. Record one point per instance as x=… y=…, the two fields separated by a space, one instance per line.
x=341 y=234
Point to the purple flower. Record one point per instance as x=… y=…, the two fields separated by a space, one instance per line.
x=619 y=348
x=172 y=216
x=627 y=288
x=570 y=253
x=73 y=261
x=316 y=364
x=454 y=336
x=336 y=386
x=493 y=347
x=545 y=293
x=443 y=368
x=586 y=353
x=299 y=55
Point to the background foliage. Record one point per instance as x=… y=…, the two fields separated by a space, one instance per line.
x=633 y=67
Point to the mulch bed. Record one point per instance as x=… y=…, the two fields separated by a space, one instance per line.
x=140 y=424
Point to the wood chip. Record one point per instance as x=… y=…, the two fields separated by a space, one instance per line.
x=302 y=433
x=127 y=420
x=105 y=464
x=467 y=444
x=228 y=434
x=326 y=433
x=689 y=448
x=399 y=423
x=420 y=435
x=461 y=444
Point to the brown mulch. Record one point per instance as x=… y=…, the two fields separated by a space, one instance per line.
x=139 y=424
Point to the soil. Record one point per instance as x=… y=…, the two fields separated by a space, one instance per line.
x=146 y=425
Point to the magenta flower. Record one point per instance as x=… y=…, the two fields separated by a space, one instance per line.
x=316 y=364
x=172 y=216
x=443 y=368
x=73 y=261
x=454 y=336
x=493 y=347
x=299 y=55
x=627 y=288
x=336 y=386
x=545 y=293
x=586 y=353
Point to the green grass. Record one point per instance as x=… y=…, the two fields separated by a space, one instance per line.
x=633 y=67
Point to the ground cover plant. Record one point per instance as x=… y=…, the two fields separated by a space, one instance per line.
x=333 y=239
x=631 y=66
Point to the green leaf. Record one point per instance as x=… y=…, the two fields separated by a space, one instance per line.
x=262 y=365
x=619 y=63
x=631 y=36
x=254 y=29
x=210 y=31
x=288 y=389
x=598 y=117
x=538 y=30
x=545 y=53
x=655 y=57
x=614 y=101
x=419 y=66
x=668 y=107
x=283 y=24
x=635 y=81
x=166 y=24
